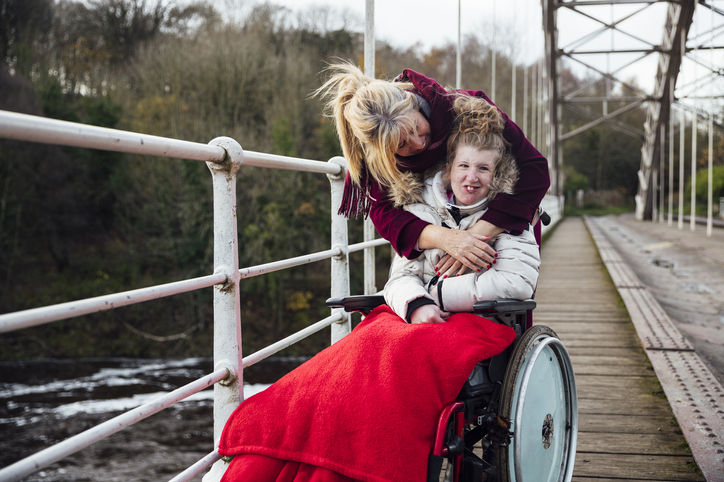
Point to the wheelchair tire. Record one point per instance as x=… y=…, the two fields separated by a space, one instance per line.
x=540 y=400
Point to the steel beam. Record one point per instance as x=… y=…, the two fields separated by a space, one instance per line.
x=678 y=20
x=551 y=42
x=612 y=123
x=601 y=119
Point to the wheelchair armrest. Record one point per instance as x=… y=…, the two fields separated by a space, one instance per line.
x=502 y=307
x=363 y=303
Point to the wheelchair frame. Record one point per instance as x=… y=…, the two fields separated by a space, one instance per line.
x=499 y=396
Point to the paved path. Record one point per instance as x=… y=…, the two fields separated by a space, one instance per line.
x=627 y=430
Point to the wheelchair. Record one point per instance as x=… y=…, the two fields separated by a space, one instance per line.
x=516 y=417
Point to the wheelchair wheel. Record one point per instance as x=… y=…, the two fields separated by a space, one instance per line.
x=539 y=398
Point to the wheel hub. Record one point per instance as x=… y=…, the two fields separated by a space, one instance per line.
x=547 y=431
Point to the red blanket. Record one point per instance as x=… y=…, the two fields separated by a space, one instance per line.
x=366 y=407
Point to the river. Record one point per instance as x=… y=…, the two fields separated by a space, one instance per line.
x=43 y=402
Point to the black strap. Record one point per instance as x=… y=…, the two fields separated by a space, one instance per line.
x=439 y=295
x=434 y=467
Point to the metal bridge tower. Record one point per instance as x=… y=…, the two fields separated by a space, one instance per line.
x=678 y=19
x=673 y=47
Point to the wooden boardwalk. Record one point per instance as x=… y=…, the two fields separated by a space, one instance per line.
x=627 y=431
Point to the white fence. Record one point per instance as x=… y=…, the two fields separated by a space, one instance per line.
x=224 y=157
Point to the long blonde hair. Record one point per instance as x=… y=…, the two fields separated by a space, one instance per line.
x=479 y=124
x=371 y=120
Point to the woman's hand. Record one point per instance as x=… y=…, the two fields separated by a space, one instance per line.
x=484 y=228
x=470 y=249
x=428 y=314
x=448 y=266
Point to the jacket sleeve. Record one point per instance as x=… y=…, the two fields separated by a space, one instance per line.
x=514 y=276
x=401 y=228
x=514 y=212
x=405 y=284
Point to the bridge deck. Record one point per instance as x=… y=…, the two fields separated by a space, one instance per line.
x=627 y=430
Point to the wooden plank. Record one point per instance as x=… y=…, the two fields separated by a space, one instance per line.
x=632 y=353
x=612 y=387
x=588 y=359
x=660 y=422
x=640 y=467
x=622 y=400
x=644 y=406
x=542 y=317
x=574 y=328
x=600 y=331
x=592 y=308
x=596 y=341
x=632 y=370
x=631 y=443
x=569 y=292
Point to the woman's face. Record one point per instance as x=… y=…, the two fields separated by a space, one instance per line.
x=415 y=143
x=471 y=172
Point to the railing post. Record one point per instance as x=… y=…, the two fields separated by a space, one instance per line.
x=340 y=263
x=369 y=229
x=228 y=393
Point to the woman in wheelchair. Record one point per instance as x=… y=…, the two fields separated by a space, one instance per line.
x=369 y=407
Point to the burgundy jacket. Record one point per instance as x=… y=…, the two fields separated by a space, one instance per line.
x=402 y=228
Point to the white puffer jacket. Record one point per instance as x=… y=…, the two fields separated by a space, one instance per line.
x=515 y=274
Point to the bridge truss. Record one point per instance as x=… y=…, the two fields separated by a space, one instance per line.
x=628 y=48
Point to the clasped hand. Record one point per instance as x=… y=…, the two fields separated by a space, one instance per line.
x=429 y=314
x=467 y=249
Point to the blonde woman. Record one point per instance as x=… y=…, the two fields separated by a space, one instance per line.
x=391 y=133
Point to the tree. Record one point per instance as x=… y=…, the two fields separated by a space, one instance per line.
x=23 y=23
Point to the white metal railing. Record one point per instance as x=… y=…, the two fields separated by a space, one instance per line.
x=62 y=311
x=224 y=157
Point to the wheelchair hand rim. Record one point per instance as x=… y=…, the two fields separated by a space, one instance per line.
x=569 y=450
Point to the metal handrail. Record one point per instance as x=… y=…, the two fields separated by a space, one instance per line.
x=23 y=127
x=224 y=157
x=73 y=309
x=197 y=468
x=290 y=340
x=306 y=259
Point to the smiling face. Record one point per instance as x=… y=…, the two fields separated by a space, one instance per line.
x=471 y=172
x=416 y=142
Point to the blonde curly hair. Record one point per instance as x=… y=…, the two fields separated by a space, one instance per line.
x=480 y=125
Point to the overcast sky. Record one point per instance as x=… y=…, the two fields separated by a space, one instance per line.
x=402 y=23
x=430 y=23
